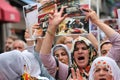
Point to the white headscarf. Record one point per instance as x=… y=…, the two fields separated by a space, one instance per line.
x=112 y=67
x=59 y=46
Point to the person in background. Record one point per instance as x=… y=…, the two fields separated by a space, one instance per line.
x=62 y=53
x=105 y=46
x=9 y=42
x=66 y=40
x=19 y=45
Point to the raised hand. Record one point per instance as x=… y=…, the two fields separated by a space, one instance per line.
x=90 y=14
x=57 y=17
x=76 y=75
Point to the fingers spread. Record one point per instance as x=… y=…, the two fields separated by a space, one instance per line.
x=62 y=9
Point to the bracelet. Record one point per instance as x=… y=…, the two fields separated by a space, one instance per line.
x=49 y=32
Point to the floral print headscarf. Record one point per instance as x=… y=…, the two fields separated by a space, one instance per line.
x=110 y=64
x=92 y=56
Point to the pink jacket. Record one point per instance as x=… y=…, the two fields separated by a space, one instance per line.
x=115 y=50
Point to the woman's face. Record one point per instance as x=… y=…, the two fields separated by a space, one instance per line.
x=81 y=55
x=62 y=56
x=102 y=73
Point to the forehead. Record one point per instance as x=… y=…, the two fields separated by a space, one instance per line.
x=9 y=40
x=101 y=64
x=80 y=43
x=106 y=46
x=18 y=44
x=59 y=51
x=104 y=67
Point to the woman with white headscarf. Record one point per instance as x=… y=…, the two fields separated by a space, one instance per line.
x=104 y=68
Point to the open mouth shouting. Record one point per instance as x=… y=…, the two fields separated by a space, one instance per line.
x=81 y=58
x=102 y=79
x=81 y=61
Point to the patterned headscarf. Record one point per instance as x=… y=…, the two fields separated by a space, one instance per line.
x=92 y=55
x=110 y=64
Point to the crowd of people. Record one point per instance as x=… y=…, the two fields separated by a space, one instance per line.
x=67 y=58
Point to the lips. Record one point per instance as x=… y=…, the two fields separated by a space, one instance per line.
x=81 y=58
x=102 y=79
